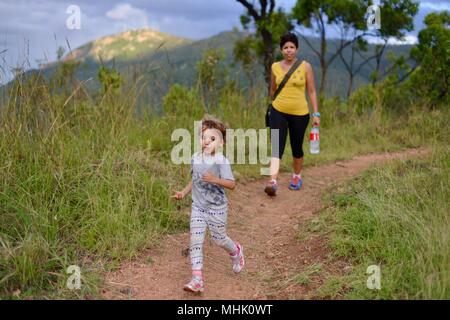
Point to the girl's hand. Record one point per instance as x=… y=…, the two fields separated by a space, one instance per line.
x=178 y=195
x=316 y=121
x=209 y=177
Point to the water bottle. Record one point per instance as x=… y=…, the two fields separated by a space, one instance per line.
x=314 y=141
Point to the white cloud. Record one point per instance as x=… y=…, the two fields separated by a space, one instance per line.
x=438 y=6
x=128 y=16
x=407 y=40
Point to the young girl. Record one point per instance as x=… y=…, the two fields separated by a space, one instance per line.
x=211 y=173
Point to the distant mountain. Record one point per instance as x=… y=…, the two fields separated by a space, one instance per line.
x=163 y=59
x=128 y=45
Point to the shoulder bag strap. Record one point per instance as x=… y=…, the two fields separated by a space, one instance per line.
x=286 y=78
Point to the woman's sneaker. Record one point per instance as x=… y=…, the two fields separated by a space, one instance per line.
x=271 y=188
x=296 y=183
x=238 y=260
x=195 y=285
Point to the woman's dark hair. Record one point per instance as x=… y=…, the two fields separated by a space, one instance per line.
x=288 y=37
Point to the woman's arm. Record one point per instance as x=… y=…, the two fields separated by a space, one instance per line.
x=273 y=85
x=311 y=87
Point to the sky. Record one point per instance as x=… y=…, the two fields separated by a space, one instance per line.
x=31 y=31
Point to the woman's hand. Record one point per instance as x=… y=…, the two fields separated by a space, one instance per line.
x=316 y=121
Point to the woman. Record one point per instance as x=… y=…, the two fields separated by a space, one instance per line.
x=290 y=111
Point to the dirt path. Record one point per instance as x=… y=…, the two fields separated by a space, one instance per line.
x=268 y=229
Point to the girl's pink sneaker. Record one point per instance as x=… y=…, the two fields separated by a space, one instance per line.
x=195 y=285
x=238 y=260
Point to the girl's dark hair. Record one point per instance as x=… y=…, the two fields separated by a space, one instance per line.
x=288 y=37
x=210 y=122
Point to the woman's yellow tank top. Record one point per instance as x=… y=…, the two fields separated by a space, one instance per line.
x=292 y=98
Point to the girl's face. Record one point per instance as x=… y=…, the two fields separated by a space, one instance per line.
x=289 y=51
x=212 y=140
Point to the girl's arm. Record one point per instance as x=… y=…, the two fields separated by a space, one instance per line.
x=209 y=177
x=187 y=189
x=181 y=194
x=311 y=87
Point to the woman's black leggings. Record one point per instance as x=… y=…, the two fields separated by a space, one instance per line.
x=297 y=127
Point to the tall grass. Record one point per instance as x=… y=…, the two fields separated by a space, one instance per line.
x=396 y=217
x=77 y=182
x=84 y=181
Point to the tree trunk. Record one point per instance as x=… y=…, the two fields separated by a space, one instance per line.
x=323 y=53
x=350 y=85
x=324 y=69
x=268 y=57
x=378 y=58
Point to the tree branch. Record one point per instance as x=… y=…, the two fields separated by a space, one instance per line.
x=363 y=57
x=405 y=76
x=251 y=10
x=263 y=8
x=272 y=6
x=362 y=64
x=347 y=66
x=345 y=44
x=310 y=45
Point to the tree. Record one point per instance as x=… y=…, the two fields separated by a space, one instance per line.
x=397 y=17
x=110 y=78
x=242 y=53
x=432 y=78
x=317 y=15
x=64 y=75
x=270 y=25
x=60 y=52
x=210 y=73
x=356 y=48
x=350 y=17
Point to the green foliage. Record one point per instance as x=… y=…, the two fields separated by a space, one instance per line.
x=310 y=13
x=243 y=53
x=350 y=16
x=212 y=74
x=181 y=102
x=64 y=76
x=109 y=78
x=432 y=79
x=60 y=53
x=269 y=25
x=276 y=24
x=397 y=17
x=208 y=68
x=388 y=95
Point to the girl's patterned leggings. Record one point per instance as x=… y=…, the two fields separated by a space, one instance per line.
x=216 y=221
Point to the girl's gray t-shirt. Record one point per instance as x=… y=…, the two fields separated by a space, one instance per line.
x=206 y=194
